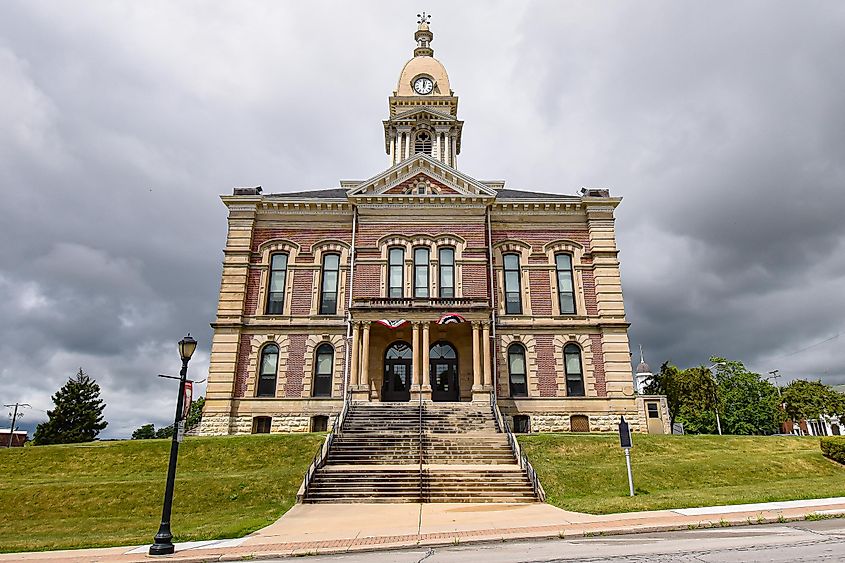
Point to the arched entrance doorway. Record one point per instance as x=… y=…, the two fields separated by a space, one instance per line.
x=398 y=359
x=443 y=372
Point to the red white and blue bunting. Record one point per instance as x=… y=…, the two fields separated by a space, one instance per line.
x=393 y=324
x=450 y=318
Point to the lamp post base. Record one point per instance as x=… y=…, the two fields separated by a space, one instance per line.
x=163 y=544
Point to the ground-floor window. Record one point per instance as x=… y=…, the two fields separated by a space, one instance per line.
x=579 y=423
x=653 y=410
x=261 y=424
x=521 y=424
x=319 y=423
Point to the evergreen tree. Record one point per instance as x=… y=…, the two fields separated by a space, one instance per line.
x=78 y=415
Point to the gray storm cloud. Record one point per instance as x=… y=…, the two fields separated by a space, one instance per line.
x=720 y=124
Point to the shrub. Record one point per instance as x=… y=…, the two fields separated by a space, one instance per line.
x=834 y=448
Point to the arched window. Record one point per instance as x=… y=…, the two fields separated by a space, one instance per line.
x=565 y=291
x=276 y=290
x=267 y=369
x=574 y=374
x=328 y=291
x=422 y=143
x=421 y=267
x=323 y=364
x=446 y=259
x=513 y=293
x=516 y=371
x=396 y=274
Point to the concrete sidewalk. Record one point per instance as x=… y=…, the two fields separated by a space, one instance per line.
x=340 y=528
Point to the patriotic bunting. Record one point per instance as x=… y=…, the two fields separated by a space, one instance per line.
x=392 y=324
x=449 y=318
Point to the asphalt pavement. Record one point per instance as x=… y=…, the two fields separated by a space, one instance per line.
x=808 y=541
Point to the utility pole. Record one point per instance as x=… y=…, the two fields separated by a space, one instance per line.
x=14 y=418
x=775 y=375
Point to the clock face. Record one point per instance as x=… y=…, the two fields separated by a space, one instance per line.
x=423 y=85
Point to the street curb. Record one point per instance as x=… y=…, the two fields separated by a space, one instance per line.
x=501 y=538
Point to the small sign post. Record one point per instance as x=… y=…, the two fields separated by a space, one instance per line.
x=625 y=442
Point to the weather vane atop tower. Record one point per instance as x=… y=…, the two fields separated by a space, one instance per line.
x=423 y=18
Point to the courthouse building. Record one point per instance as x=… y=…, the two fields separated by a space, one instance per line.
x=422 y=282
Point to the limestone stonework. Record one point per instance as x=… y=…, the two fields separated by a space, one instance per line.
x=422 y=282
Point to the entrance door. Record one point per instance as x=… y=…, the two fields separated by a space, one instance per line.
x=443 y=372
x=397 y=372
x=655 y=421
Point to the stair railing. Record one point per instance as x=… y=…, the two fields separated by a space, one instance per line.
x=322 y=454
x=521 y=458
x=422 y=482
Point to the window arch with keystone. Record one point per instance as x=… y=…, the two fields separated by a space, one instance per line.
x=278 y=260
x=513 y=295
x=567 y=261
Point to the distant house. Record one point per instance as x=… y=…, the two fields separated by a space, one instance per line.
x=18 y=440
x=822 y=426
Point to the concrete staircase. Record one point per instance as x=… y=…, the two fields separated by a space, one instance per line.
x=393 y=452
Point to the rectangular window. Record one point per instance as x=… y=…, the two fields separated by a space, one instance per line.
x=261 y=424
x=276 y=290
x=328 y=297
x=447 y=272
x=565 y=291
x=421 y=267
x=396 y=273
x=513 y=294
x=653 y=411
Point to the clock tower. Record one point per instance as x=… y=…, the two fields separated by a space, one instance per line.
x=423 y=108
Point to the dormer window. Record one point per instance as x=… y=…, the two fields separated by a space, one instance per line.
x=422 y=143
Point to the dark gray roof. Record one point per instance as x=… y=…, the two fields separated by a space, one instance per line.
x=520 y=194
x=319 y=194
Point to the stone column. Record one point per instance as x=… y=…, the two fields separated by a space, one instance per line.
x=365 y=360
x=485 y=346
x=476 y=357
x=353 y=367
x=426 y=348
x=415 y=345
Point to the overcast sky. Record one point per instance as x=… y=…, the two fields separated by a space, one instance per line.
x=722 y=124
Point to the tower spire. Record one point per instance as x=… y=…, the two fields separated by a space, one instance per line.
x=642 y=359
x=424 y=36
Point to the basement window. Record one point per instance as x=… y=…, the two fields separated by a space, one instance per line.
x=261 y=424
x=521 y=424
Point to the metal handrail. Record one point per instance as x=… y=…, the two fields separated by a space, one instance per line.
x=422 y=498
x=322 y=454
x=521 y=458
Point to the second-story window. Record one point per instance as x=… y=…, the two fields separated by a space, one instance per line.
x=276 y=291
x=328 y=295
x=396 y=273
x=447 y=272
x=565 y=292
x=513 y=293
x=421 y=267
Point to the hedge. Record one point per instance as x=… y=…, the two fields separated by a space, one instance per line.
x=834 y=448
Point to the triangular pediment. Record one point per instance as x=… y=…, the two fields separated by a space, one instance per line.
x=424 y=176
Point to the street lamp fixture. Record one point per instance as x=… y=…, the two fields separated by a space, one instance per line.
x=716 y=397
x=164 y=538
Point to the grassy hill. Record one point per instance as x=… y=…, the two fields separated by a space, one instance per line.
x=110 y=493
x=586 y=473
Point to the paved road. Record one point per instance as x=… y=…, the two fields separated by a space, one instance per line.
x=822 y=540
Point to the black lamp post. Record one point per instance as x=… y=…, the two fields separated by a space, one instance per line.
x=164 y=539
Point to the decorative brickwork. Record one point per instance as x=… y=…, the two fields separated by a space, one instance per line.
x=242 y=369
x=590 y=292
x=474 y=278
x=541 y=292
x=303 y=281
x=253 y=283
x=546 y=366
x=432 y=186
x=296 y=366
x=598 y=365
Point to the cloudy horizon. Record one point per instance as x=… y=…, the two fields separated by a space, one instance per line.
x=721 y=125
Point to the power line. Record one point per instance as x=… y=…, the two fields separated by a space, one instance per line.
x=805 y=348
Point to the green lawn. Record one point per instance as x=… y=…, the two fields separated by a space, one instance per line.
x=110 y=493
x=586 y=473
